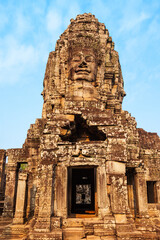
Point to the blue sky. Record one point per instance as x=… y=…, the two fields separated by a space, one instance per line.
x=28 y=32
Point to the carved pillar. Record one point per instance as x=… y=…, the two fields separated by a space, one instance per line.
x=60 y=204
x=158 y=191
x=9 y=202
x=43 y=223
x=103 y=201
x=20 y=200
x=118 y=187
x=31 y=196
x=141 y=192
x=2 y=171
x=118 y=193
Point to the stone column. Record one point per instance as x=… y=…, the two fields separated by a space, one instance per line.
x=60 y=201
x=118 y=194
x=31 y=192
x=103 y=201
x=2 y=171
x=44 y=191
x=141 y=192
x=10 y=190
x=118 y=187
x=158 y=191
x=20 y=201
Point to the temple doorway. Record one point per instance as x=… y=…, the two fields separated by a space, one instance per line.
x=81 y=186
x=131 y=188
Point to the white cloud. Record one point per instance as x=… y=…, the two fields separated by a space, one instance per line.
x=4 y=21
x=4 y=17
x=101 y=8
x=133 y=22
x=153 y=29
x=16 y=60
x=53 y=21
x=73 y=11
x=22 y=24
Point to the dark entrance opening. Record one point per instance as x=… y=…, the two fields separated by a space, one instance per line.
x=81 y=187
x=151 y=192
x=131 y=188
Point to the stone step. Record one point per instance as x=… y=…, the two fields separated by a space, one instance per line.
x=5 y=221
x=13 y=238
x=3 y=226
x=56 y=234
x=1 y=230
x=73 y=233
x=1 y=197
x=14 y=232
x=1 y=194
x=1 y=206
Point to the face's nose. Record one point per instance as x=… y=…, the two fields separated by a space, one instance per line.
x=83 y=64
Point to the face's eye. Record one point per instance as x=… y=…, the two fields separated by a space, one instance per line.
x=89 y=58
x=76 y=59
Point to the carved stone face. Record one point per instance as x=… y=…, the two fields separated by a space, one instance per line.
x=83 y=65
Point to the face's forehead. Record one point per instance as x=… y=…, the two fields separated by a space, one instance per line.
x=88 y=52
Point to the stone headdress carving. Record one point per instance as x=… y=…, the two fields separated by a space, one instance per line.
x=83 y=36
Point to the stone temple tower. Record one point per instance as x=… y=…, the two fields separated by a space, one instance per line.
x=85 y=171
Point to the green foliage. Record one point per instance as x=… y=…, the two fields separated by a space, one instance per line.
x=23 y=166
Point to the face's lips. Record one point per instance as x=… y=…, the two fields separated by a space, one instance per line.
x=82 y=71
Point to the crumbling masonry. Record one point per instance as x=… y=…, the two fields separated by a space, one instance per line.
x=85 y=171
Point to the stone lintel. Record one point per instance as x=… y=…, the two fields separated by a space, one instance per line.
x=114 y=167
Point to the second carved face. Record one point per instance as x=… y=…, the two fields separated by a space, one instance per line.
x=82 y=65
